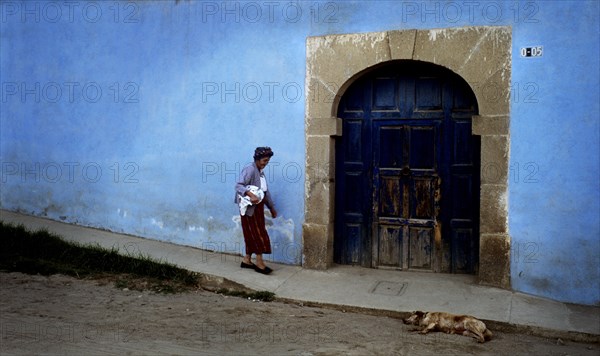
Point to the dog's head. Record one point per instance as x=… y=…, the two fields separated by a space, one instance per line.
x=415 y=318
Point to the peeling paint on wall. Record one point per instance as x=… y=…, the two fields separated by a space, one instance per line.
x=281 y=232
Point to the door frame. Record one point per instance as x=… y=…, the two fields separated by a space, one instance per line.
x=480 y=55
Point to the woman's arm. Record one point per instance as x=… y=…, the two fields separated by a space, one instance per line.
x=244 y=179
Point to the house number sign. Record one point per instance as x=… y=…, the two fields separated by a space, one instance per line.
x=536 y=51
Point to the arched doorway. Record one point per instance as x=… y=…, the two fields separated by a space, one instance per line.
x=407 y=171
x=481 y=55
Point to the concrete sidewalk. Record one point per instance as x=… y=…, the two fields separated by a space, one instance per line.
x=357 y=287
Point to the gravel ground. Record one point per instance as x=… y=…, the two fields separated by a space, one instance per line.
x=64 y=315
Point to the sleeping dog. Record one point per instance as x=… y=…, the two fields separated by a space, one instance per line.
x=450 y=324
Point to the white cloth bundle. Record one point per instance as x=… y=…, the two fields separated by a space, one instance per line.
x=245 y=201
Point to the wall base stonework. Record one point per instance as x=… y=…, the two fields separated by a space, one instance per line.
x=318 y=245
x=480 y=55
x=494 y=260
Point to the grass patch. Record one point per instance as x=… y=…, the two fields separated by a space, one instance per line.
x=44 y=253
x=262 y=295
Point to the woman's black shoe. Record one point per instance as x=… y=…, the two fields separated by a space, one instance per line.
x=266 y=270
x=247 y=265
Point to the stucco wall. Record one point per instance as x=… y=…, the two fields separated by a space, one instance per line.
x=137 y=116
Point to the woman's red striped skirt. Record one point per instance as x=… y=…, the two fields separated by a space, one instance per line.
x=255 y=233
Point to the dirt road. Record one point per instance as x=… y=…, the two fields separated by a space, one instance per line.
x=63 y=315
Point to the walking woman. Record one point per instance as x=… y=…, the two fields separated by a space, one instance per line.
x=252 y=194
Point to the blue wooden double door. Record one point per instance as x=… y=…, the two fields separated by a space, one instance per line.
x=407 y=171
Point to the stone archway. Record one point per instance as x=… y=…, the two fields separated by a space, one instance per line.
x=480 y=55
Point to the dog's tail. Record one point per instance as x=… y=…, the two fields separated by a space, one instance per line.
x=487 y=335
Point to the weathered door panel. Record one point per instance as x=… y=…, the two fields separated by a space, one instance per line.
x=421 y=248
x=405 y=183
x=389 y=246
x=353 y=199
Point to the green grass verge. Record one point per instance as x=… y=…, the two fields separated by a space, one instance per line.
x=262 y=295
x=45 y=253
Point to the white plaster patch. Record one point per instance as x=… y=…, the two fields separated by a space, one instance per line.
x=503 y=201
x=157 y=223
x=237 y=229
x=282 y=232
x=123 y=213
x=326 y=42
x=435 y=32
x=282 y=227
x=449 y=32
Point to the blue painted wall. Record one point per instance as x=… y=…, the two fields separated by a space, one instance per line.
x=137 y=117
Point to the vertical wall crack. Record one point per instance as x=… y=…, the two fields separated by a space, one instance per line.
x=412 y=56
x=389 y=46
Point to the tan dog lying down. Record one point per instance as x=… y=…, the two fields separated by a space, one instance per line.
x=450 y=324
